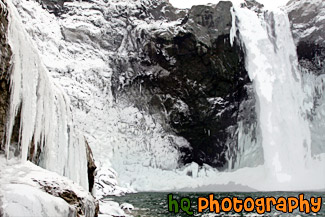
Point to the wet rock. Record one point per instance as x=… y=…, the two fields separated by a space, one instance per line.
x=91 y=167
x=5 y=56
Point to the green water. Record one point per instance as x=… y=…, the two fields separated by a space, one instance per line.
x=154 y=204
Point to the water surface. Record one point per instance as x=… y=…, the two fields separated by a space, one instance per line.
x=155 y=204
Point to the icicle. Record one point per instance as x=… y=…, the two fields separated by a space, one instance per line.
x=45 y=110
x=233 y=29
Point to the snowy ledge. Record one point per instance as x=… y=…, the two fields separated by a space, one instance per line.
x=28 y=190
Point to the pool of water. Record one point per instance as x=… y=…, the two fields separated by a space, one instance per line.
x=154 y=204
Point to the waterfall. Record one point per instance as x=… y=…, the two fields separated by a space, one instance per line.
x=272 y=64
x=46 y=120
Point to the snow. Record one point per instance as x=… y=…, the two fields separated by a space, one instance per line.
x=76 y=51
x=46 y=120
x=81 y=48
x=106 y=184
x=111 y=208
x=116 y=130
x=126 y=206
x=24 y=200
x=189 y=3
x=23 y=193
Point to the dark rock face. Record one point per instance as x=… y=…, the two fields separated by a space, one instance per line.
x=5 y=57
x=197 y=82
x=188 y=76
x=91 y=167
x=308 y=29
x=53 y=6
x=311 y=56
x=306 y=20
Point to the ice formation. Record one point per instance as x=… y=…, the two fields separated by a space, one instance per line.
x=46 y=120
x=133 y=142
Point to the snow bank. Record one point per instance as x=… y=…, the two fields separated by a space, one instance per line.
x=28 y=190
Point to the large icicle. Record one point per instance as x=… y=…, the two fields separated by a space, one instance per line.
x=46 y=120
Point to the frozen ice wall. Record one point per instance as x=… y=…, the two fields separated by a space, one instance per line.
x=120 y=135
x=76 y=48
x=46 y=121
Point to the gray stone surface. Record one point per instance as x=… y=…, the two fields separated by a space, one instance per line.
x=197 y=84
x=5 y=55
x=308 y=27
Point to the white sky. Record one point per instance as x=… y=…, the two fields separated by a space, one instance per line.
x=189 y=3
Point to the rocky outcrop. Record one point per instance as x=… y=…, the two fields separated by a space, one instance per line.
x=253 y=5
x=53 y=6
x=173 y=72
x=27 y=189
x=81 y=204
x=5 y=56
x=91 y=167
x=5 y=67
x=42 y=186
x=308 y=27
x=196 y=82
x=184 y=73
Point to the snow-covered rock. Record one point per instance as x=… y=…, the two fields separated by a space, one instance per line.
x=106 y=183
x=39 y=128
x=153 y=88
x=127 y=207
x=111 y=209
x=307 y=18
x=28 y=190
x=133 y=71
x=40 y=125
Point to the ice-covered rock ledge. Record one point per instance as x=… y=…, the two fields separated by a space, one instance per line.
x=37 y=125
x=106 y=184
x=28 y=190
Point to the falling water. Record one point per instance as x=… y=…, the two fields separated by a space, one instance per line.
x=272 y=65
